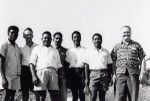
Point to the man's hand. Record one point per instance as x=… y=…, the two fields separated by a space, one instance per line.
x=87 y=90
x=114 y=78
x=86 y=82
x=36 y=81
x=141 y=76
x=4 y=83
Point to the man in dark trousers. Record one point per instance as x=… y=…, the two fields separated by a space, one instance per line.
x=76 y=58
x=26 y=77
x=128 y=57
x=62 y=72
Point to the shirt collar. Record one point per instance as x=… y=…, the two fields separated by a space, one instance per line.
x=131 y=41
x=11 y=43
x=57 y=47
x=78 y=47
x=95 y=49
x=31 y=46
x=47 y=47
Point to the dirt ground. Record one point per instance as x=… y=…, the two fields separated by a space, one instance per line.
x=144 y=95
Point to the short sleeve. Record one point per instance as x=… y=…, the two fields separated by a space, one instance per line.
x=3 y=49
x=141 y=53
x=148 y=64
x=34 y=56
x=114 y=54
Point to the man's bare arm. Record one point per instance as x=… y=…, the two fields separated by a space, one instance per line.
x=2 y=69
x=86 y=74
x=142 y=69
x=34 y=75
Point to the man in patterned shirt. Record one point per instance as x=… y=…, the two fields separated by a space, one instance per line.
x=127 y=57
x=10 y=65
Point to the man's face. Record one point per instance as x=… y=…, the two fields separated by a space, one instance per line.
x=46 y=40
x=126 y=34
x=12 y=35
x=57 y=40
x=28 y=35
x=76 y=39
x=97 y=41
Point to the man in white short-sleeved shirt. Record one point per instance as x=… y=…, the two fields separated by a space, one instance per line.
x=10 y=65
x=44 y=63
x=76 y=58
x=98 y=59
x=100 y=65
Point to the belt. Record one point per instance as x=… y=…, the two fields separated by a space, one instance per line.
x=77 y=67
x=25 y=66
x=99 y=70
x=49 y=68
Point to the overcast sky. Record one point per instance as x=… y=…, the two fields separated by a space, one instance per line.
x=87 y=16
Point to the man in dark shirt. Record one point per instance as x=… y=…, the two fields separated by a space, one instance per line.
x=57 y=38
x=127 y=57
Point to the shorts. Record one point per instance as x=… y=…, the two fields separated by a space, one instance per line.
x=76 y=78
x=99 y=80
x=48 y=79
x=26 y=78
x=13 y=82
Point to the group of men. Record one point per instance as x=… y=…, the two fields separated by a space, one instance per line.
x=42 y=68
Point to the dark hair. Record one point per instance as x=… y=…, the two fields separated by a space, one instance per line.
x=76 y=32
x=46 y=32
x=126 y=26
x=28 y=28
x=97 y=34
x=13 y=27
x=58 y=33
